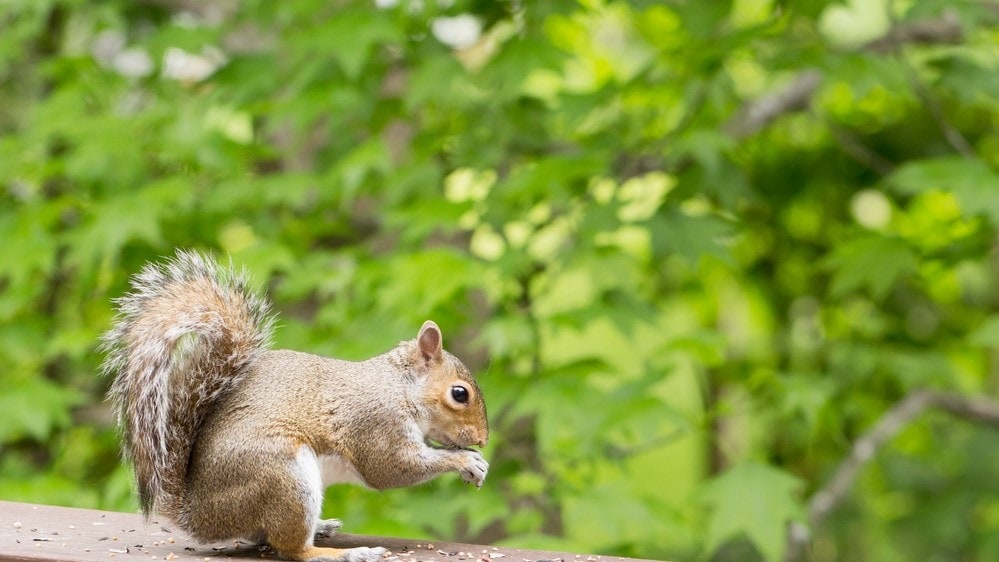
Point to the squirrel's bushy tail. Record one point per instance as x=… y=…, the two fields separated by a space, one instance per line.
x=184 y=336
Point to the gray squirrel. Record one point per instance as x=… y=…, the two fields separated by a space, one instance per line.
x=230 y=439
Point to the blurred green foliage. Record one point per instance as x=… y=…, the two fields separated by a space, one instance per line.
x=682 y=313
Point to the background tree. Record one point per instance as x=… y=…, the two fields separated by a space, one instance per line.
x=712 y=260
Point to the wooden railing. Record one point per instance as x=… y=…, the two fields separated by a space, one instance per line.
x=31 y=532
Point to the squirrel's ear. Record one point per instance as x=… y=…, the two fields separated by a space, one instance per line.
x=429 y=340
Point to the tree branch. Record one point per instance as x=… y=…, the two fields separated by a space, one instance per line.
x=797 y=94
x=947 y=29
x=944 y=30
x=757 y=114
x=975 y=409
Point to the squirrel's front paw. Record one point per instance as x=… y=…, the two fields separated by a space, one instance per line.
x=474 y=468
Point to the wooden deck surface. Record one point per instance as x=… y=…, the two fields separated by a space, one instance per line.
x=31 y=532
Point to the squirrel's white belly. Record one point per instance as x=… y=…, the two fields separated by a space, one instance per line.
x=336 y=469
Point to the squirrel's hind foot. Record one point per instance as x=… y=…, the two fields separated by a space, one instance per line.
x=359 y=554
x=327 y=528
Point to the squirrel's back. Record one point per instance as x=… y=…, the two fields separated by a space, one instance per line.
x=185 y=335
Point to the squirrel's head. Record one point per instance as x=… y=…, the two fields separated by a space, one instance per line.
x=450 y=395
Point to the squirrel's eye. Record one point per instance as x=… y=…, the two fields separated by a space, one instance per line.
x=459 y=393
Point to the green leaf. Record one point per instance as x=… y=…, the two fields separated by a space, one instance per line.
x=987 y=334
x=508 y=335
x=134 y=215
x=48 y=488
x=420 y=282
x=350 y=36
x=870 y=262
x=754 y=501
x=29 y=249
x=975 y=185
x=34 y=408
x=969 y=80
x=433 y=75
x=865 y=72
x=675 y=232
x=354 y=168
x=616 y=516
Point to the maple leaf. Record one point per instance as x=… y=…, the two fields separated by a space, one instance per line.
x=755 y=501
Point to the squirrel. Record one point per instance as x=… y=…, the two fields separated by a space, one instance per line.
x=230 y=439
